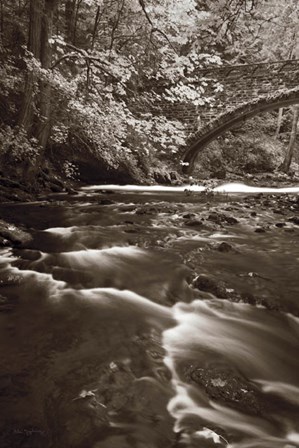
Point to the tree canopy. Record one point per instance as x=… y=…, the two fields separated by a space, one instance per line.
x=84 y=74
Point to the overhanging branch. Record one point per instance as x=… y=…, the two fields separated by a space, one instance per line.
x=154 y=29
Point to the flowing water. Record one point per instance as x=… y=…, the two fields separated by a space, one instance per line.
x=109 y=341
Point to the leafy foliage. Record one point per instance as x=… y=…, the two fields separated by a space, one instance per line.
x=93 y=83
x=16 y=147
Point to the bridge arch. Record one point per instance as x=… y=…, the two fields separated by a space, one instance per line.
x=213 y=129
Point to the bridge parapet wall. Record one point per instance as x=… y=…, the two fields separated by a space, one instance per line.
x=238 y=85
x=225 y=121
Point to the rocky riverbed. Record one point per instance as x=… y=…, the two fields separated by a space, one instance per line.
x=96 y=342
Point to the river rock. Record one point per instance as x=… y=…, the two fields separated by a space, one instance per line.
x=225 y=384
x=106 y=202
x=260 y=230
x=225 y=247
x=231 y=220
x=289 y=230
x=193 y=223
x=146 y=211
x=8 y=278
x=280 y=224
x=189 y=215
x=294 y=220
x=4 y=242
x=220 y=218
x=13 y=234
x=131 y=230
x=205 y=283
x=149 y=209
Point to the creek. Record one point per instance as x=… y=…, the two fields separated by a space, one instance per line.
x=151 y=318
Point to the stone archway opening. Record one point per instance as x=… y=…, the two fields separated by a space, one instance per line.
x=224 y=122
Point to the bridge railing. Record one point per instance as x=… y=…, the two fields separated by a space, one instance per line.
x=252 y=67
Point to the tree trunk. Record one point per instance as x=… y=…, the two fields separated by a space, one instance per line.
x=44 y=122
x=288 y=157
x=116 y=24
x=95 y=27
x=70 y=7
x=38 y=125
x=77 y=4
x=279 y=120
x=1 y=21
x=26 y=113
x=94 y=33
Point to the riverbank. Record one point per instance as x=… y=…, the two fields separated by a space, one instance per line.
x=14 y=190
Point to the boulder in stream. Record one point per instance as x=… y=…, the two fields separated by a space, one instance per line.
x=205 y=283
x=225 y=384
x=225 y=247
x=221 y=218
x=260 y=230
x=12 y=235
x=193 y=223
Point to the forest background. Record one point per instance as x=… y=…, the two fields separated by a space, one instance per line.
x=78 y=96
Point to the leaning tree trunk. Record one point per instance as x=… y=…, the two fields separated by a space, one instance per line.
x=289 y=155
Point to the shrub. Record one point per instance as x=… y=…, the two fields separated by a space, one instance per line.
x=16 y=147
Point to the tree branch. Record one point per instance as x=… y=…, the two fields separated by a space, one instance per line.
x=66 y=56
x=154 y=29
x=89 y=59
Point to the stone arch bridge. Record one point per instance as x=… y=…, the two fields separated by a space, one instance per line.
x=245 y=90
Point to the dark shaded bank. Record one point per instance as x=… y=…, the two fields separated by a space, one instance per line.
x=15 y=187
x=12 y=189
